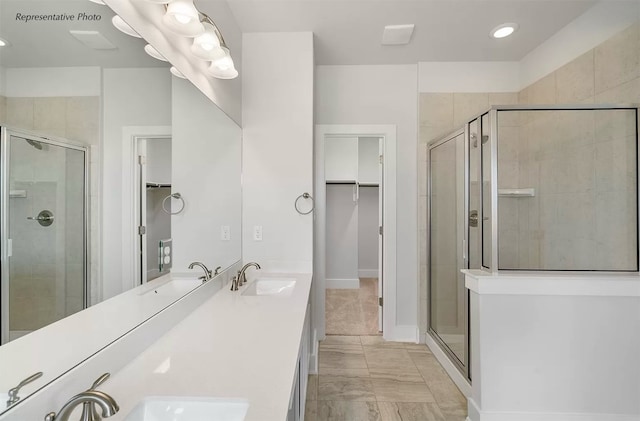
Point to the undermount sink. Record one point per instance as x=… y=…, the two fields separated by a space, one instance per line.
x=177 y=287
x=271 y=286
x=169 y=408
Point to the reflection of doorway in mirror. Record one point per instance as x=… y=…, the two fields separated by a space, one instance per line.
x=44 y=232
x=154 y=222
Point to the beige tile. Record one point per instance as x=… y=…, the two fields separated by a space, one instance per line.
x=436 y=109
x=448 y=397
x=84 y=134
x=617 y=60
x=345 y=372
x=347 y=411
x=523 y=97
x=331 y=388
x=575 y=80
x=627 y=93
x=543 y=91
x=417 y=348
x=312 y=387
x=49 y=113
x=467 y=106
x=341 y=358
x=311 y=411
x=378 y=341
x=387 y=390
x=431 y=133
x=20 y=112
x=503 y=98
x=340 y=340
x=83 y=111
x=410 y=411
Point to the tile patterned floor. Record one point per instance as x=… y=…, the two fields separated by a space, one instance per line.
x=353 y=311
x=364 y=378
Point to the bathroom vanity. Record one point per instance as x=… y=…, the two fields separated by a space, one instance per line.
x=236 y=354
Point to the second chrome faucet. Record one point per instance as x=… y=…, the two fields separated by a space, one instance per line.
x=241 y=278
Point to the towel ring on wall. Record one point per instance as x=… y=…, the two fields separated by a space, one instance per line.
x=175 y=196
x=304 y=196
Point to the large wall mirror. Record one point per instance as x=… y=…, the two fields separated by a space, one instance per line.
x=113 y=173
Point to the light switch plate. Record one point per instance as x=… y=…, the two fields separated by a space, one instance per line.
x=257 y=233
x=225 y=233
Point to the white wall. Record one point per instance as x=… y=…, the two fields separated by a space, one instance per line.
x=159 y=161
x=383 y=95
x=132 y=97
x=577 y=358
x=206 y=162
x=368 y=233
x=277 y=161
x=52 y=81
x=342 y=237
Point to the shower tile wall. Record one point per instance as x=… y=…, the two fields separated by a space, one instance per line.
x=76 y=119
x=609 y=73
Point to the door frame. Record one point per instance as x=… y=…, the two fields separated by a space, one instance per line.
x=130 y=198
x=388 y=135
x=5 y=150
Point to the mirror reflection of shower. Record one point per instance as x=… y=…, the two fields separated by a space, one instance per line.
x=44 y=209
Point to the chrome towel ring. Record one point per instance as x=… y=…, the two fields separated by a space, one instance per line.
x=304 y=195
x=175 y=196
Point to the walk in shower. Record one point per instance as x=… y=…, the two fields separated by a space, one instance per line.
x=44 y=231
x=528 y=188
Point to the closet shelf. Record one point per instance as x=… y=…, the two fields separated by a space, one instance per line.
x=369 y=185
x=341 y=182
x=158 y=185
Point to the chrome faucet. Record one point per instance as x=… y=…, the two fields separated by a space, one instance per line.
x=13 y=392
x=106 y=403
x=207 y=272
x=241 y=278
x=89 y=411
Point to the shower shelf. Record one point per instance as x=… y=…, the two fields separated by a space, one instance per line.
x=529 y=192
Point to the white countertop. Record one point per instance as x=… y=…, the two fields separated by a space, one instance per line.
x=89 y=331
x=232 y=346
x=553 y=283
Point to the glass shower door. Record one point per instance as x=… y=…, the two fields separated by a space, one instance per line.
x=447 y=254
x=44 y=233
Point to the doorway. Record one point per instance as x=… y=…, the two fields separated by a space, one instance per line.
x=354 y=281
x=154 y=200
x=44 y=227
x=353 y=186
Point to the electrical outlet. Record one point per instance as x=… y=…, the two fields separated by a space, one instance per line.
x=257 y=233
x=225 y=233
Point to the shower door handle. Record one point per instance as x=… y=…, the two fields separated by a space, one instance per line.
x=473 y=218
x=44 y=218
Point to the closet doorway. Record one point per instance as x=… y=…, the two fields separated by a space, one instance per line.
x=354 y=282
x=154 y=197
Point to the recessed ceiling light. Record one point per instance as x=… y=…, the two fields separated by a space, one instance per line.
x=504 y=30
x=98 y=2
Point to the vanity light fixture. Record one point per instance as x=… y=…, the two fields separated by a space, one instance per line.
x=504 y=30
x=176 y=72
x=183 y=18
x=149 y=49
x=3 y=42
x=207 y=45
x=123 y=26
x=98 y=2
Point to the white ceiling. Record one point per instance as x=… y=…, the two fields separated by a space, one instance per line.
x=49 y=44
x=350 y=31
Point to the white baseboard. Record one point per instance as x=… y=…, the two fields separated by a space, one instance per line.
x=475 y=414
x=342 y=283
x=402 y=333
x=367 y=273
x=460 y=381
